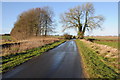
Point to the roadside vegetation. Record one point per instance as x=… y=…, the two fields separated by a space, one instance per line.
x=108 y=54
x=94 y=64
x=18 y=46
x=10 y=61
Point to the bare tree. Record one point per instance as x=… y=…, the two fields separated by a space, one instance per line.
x=34 y=22
x=48 y=20
x=82 y=18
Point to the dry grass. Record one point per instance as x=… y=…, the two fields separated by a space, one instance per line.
x=103 y=50
x=109 y=54
x=95 y=65
x=27 y=44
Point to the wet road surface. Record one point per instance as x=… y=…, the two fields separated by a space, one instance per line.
x=60 y=62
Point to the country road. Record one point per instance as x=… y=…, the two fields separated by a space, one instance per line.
x=60 y=62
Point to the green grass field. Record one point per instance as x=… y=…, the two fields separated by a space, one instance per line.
x=6 y=37
x=103 y=37
x=109 y=43
x=105 y=40
x=95 y=67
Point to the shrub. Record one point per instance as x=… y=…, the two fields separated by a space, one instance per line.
x=67 y=36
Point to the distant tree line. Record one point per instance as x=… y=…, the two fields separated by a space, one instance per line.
x=34 y=22
x=5 y=34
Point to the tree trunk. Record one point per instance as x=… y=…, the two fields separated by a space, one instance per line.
x=84 y=28
x=80 y=34
x=46 y=28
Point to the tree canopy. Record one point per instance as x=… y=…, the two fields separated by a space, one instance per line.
x=34 y=22
x=81 y=17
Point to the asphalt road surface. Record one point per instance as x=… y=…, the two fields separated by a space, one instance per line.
x=60 y=62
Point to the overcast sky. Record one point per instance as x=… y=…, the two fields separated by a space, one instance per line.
x=11 y=11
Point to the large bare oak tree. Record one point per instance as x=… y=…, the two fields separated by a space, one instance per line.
x=82 y=18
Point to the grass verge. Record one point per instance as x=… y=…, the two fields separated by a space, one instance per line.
x=10 y=61
x=93 y=64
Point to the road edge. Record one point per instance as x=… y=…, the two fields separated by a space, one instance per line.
x=85 y=74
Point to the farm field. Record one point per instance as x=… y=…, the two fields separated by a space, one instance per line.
x=6 y=37
x=103 y=37
x=13 y=46
x=105 y=40
x=113 y=44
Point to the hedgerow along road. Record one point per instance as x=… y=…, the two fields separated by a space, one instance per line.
x=60 y=62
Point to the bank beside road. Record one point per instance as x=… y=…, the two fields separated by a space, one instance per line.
x=94 y=64
x=13 y=60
